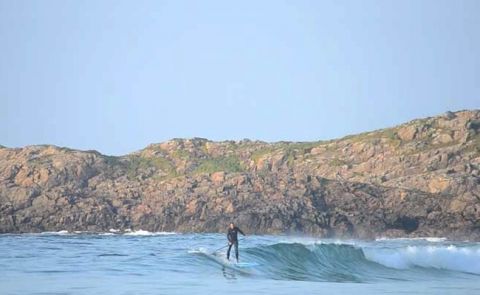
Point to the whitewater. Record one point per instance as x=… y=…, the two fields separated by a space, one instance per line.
x=141 y=262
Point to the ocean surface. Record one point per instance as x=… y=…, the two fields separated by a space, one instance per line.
x=168 y=263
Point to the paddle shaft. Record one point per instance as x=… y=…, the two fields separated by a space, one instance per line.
x=227 y=245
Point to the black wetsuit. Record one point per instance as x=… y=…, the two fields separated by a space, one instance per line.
x=232 y=237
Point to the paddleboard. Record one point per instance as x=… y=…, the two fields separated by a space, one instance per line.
x=220 y=259
x=245 y=264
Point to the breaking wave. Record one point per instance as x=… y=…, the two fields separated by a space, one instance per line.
x=147 y=233
x=453 y=258
x=339 y=262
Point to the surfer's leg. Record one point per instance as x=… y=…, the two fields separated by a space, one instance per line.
x=236 y=250
x=228 y=251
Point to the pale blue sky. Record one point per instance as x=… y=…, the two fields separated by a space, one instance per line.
x=117 y=75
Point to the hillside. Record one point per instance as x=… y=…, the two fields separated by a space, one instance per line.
x=421 y=178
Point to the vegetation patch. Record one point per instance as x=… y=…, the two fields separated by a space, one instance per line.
x=227 y=164
x=389 y=133
x=392 y=136
x=256 y=155
x=336 y=162
x=358 y=174
x=290 y=159
x=263 y=173
x=181 y=154
x=302 y=147
x=473 y=146
x=137 y=163
x=112 y=160
x=41 y=160
x=359 y=137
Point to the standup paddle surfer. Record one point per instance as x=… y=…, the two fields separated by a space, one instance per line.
x=232 y=237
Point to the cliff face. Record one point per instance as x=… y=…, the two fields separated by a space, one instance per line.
x=421 y=178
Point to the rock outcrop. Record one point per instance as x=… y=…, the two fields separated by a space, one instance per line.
x=418 y=179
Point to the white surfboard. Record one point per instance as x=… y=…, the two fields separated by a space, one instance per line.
x=245 y=264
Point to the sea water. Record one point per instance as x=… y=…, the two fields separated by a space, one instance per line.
x=168 y=263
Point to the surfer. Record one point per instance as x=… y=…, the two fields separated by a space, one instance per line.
x=232 y=237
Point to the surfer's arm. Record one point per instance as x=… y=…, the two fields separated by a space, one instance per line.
x=240 y=231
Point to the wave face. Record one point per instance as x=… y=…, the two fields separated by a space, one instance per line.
x=343 y=262
x=326 y=262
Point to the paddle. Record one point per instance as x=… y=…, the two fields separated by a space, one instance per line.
x=227 y=245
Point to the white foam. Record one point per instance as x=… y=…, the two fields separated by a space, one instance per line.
x=60 y=233
x=440 y=257
x=147 y=233
x=428 y=239
x=307 y=241
x=199 y=250
x=310 y=242
x=111 y=232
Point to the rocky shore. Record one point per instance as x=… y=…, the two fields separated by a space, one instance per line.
x=421 y=178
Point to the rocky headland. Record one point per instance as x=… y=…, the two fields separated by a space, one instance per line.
x=421 y=178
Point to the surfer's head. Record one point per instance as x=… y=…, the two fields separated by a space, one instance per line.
x=232 y=225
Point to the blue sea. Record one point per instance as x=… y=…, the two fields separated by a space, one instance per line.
x=141 y=262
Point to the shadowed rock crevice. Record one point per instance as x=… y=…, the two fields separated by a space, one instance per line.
x=405 y=223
